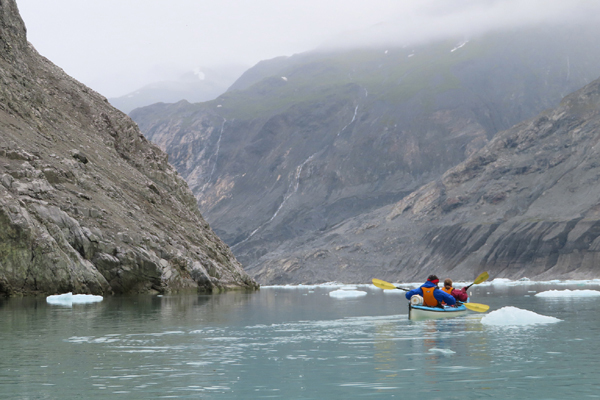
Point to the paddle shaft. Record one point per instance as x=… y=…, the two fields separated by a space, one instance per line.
x=481 y=278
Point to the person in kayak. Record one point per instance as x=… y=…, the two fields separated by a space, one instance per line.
x=432 y=295
x=458 y=294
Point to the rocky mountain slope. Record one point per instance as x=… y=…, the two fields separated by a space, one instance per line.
x=525 y=205
x=87 y=204
x=301 y=144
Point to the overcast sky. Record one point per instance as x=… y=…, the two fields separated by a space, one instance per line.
x=117 y=46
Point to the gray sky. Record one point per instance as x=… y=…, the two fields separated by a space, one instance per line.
x=117 y=46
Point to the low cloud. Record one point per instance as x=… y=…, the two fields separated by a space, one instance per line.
x=429 y=20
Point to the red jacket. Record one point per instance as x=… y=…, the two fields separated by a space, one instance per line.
x=460 y=295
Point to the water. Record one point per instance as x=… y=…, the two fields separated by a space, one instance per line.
x=296 y=344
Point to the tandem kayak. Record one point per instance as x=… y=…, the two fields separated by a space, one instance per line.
x=418 y=313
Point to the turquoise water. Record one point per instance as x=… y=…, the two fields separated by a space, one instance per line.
x=283 y=343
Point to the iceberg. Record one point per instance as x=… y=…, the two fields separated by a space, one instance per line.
x=445 y=352
x=568 y=293
x=513 y=316
x=344 y=294
x=68 y=299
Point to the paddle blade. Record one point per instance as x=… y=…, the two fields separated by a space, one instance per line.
x=477 y=307
x=383 y=284
x=481 y=278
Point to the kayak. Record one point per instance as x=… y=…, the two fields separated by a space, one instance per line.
x=419 y=313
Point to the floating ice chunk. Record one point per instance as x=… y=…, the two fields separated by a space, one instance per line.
x=345 y=294
x=284 y=78
x=68 y=299
x=529 y=282
x=513 y=316
x=328 y=285
x=396 y=292
x=496 y=282
x=442 y=351
x=569 y=293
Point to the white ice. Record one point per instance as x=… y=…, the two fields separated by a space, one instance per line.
x=68 y=299
x=442 y=351
x=345 y=294
x=513 y=316
x=527 y=282
x=568 y=293
x=395 y=292
x=411 y=285
x=328 y=285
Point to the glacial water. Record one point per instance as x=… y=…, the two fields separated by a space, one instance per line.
x=301 y=343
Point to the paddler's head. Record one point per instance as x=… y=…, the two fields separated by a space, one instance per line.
x=433 y=279
x=448 y=283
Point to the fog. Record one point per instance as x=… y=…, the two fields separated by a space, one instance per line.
x=117 y=46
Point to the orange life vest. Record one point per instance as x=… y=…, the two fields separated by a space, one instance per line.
x=449 y=291
x=428 y=299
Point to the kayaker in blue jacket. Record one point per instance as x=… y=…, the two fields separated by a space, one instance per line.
x=432 y=295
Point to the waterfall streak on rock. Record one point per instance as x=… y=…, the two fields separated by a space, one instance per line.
x=350 y=123
x=216 y=156
x=295 y=183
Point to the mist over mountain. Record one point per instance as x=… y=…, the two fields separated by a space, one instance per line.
x=426 y=21
x=301 y=146
x=87 y=203
x=202 y=84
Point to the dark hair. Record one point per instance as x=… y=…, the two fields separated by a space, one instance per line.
x=433 y=278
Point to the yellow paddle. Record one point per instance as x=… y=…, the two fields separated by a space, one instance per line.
x=386 y=285
x=476 y=307
x=481 y=278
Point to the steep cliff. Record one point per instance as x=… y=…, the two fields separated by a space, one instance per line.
x=87 y=204
x=301 y=144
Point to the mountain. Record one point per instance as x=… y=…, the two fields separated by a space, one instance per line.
x=301 y=145
x=202 y=84
x=87 y=204
x=525 y=205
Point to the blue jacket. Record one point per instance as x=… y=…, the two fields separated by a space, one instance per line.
x=439 y=294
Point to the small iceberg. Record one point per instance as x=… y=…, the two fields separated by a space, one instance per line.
x=345 y=294
x=568 y=293
x=445 y=352
x=513 y=316
x=68 y=299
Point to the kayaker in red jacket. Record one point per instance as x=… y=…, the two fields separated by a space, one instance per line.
x=460 y=295
x=432 y=295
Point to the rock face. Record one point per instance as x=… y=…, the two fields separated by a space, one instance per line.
x=525 y=205
x=304 y=145
x=87 y=204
